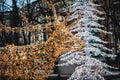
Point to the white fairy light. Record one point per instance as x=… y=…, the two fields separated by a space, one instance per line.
x=88 y=68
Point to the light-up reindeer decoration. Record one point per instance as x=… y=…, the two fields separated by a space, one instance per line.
x=37 y=61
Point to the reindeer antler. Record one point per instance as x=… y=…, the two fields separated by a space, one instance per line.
x=51 y=5
x=67 y=17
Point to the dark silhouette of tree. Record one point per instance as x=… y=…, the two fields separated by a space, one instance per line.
x=15 y=17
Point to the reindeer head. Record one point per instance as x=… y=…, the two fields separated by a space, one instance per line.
x=61 y=39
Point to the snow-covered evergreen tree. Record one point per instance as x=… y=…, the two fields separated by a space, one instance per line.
x=87 y=26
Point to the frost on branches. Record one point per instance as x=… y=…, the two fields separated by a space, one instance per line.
x=87 y=27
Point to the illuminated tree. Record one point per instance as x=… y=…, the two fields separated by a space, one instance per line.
x=89 y=67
